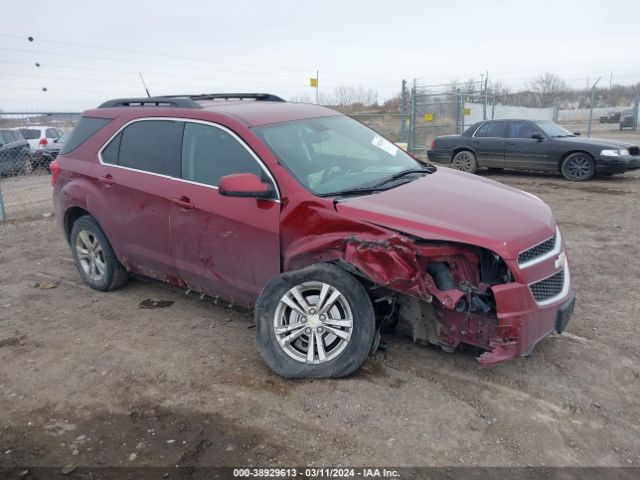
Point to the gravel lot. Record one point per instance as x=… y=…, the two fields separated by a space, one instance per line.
x=92 y=379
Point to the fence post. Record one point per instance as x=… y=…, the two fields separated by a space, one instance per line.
x=636 y=108
x=556 y=111
x=3 y=213
x=461 y=112
x=412 y=120
x=403 y=113
x=493 y=108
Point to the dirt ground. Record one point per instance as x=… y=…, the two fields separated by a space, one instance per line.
x=92 y=379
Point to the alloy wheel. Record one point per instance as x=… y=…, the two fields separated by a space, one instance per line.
x=313 y=323
x=90 y=255
x=463 y=162
x=579 y=167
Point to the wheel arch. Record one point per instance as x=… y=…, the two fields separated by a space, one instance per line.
x=70 y=216
x=464 y=148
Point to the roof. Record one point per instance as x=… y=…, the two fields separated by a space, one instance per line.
x=252 y=109
x=263 y=113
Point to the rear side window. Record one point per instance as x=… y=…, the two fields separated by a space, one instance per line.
x=18 y=135
x=492 y=129
x=209 y=153
x=151 y=146
x=30 y=133
x=86 y=128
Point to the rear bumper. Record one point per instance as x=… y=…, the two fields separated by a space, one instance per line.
x=439 y=156
x=617 y=164
x=523 y=322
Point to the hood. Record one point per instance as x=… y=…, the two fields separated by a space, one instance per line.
x=454 y=206
x=593 y=142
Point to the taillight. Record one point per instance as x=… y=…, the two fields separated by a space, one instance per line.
x=43 y=142
x=54 y=168
x=433 y=144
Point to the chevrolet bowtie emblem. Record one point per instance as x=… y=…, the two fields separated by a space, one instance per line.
x=561 y=261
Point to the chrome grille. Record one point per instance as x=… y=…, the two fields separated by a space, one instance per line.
x=537 y=251
x=548 y=288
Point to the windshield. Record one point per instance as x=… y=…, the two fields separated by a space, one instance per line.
x=553 y=130
x=333 y=154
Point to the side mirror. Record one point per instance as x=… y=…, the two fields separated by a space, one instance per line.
x=537 y=136
x=246 y=185
x=577 y=134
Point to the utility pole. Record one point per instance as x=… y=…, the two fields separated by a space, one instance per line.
x=593 y=92
x=610 y=80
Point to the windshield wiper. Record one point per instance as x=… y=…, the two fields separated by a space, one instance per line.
x=353 y=191
x=402 y=174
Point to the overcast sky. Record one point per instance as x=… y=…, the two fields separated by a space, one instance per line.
x=93 y=50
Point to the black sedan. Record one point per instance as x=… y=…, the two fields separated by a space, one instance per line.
x=533 y=145
x=611 y=117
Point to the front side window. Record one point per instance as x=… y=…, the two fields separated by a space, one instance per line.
x=209 y=153
x=330 y=154
x=522 y=130
x=151 y=146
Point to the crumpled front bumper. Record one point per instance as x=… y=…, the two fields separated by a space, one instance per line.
x=523 y=322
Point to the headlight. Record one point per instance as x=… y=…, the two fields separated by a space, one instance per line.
x=614 y=153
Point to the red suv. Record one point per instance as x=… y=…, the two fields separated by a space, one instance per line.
x=329 y=229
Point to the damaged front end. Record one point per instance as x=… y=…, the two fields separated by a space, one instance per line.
x=448 y=294
x=445 y=291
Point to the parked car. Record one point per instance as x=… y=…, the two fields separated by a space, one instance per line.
x=43 y=157
x=14 y=153
x=626 y=119
x=40 y=136
x=610 y=117
x=327 y=227
x=533 y=145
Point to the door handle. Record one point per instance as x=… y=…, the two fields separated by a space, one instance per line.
x=107 y=180
x=183 y=202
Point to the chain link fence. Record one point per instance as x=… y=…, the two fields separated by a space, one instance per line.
x=29 y=141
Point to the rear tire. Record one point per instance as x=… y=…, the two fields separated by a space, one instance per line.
x=94 y=257
x=317 y=322
x=578 y=167
x=465 y=161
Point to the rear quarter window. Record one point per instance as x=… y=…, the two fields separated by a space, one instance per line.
x=30 y=133
x=86 y=128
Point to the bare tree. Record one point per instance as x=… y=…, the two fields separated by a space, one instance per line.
x=547 y=88
x=349 y=97
x=499 y=90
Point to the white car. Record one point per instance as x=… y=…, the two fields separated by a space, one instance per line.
x=39 y=137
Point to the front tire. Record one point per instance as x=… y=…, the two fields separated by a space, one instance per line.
x=94 y=257
x=578 y=167
x=465 y=161
x=317 y=322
